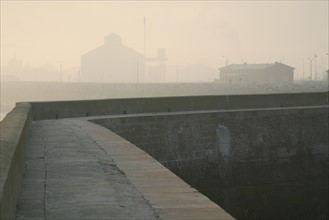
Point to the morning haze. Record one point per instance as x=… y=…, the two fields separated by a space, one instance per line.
x=164 y=110
x=207 y=33
x=161 y=42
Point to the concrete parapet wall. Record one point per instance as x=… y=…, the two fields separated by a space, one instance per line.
x=13 y=133
x=169 y=196
x=236 y=141
x=249 y=161
x=72 y=109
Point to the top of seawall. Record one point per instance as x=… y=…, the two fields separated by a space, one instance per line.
x=74 y=109
x=86 y=108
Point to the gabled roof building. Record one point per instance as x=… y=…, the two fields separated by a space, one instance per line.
x=267 y=73
x=112 y=62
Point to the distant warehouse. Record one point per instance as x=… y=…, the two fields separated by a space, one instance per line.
x=112 y=62
x=257 y=73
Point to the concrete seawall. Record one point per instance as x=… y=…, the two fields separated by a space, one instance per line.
x=86 y=108
x=14 y=131
x=169 y=195
x=212 y=142
x=249 y=161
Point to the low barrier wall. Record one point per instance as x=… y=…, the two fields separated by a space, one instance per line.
x=13 y=134
x=85 y=108
x=15 y=125
x=257 y=164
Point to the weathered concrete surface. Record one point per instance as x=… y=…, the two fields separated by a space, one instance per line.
x=171 y=197
x=213 y=154
x=69 y=176
x=256 y=163
x=13 y=132
x=71 y=109
x=78 y=170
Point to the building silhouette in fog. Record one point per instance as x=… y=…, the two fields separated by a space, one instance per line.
x=156 y=70
x=112 y=62
x=257 y=73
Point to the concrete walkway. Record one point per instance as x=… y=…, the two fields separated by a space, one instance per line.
x=75 y=169
x=68 y=176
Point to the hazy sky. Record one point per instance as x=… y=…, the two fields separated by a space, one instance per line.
x=192 y=32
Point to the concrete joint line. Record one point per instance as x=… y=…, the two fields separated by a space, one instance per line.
x=45 y=183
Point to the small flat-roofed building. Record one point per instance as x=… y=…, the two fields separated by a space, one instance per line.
x=257 y=73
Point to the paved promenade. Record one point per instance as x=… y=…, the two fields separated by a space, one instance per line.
x=75 y=169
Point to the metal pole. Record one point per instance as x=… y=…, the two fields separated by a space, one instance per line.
x=311 y=74
x=144 y=37
x=137 y=74
x=315 y=74
x=328 y=67
x=310 y=69
x=303 y=69
x=61 y=72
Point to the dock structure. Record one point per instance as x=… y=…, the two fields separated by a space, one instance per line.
x=57 y=163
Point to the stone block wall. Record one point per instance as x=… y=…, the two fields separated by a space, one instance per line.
x=254 y=163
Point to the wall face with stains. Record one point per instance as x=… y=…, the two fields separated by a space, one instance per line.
x=269 y=163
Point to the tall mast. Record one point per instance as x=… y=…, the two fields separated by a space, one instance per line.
x=144 y=36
